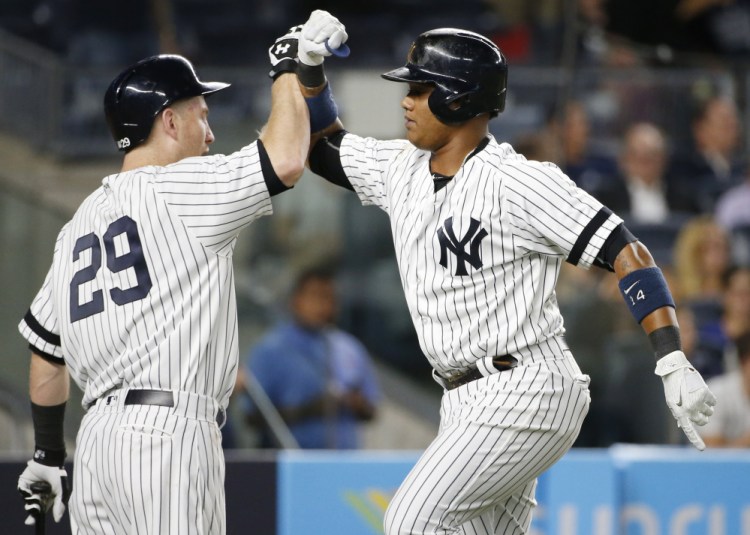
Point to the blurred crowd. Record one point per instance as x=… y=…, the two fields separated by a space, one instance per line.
x=674 y=167
x=690 y=204
x=540 y=32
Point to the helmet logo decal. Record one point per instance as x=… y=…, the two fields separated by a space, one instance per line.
x=123 y=143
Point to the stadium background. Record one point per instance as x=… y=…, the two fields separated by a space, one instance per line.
x=626 y=61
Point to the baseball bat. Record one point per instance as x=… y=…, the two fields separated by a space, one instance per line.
x=44 y=490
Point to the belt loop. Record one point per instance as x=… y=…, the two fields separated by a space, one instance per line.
x=438 y=379
x=486 y=366
x=221 y=417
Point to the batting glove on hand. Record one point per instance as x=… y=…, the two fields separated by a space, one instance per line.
x=283 y=52
x=321 y=35
x=36 y=501
x=688 y=397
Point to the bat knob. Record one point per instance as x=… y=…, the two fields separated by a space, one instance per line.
x=40 y=487
x=342 y=51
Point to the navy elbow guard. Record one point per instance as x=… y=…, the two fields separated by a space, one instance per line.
x=645 y=290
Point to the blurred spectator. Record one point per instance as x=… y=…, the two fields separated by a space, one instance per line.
x=733 y=207
x=702 y=254
x=566 y=139
x=640 y=192
x=599 y=46
x=646 y=23
x=730 y=425
x=319 y=378
x=722 y=26
x=526 y=30
x=717 y=335
x=588 y=302
x=103 y=36
x=703 y=359
x=702 y=172
x=666 y=26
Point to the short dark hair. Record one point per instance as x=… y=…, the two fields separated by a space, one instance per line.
x=730 y=272
x=318 y=272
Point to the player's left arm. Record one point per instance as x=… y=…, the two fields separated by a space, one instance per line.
x=302 y=51
x=647 y=295
x=285 y=136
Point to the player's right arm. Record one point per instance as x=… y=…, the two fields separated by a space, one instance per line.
x=49 y=389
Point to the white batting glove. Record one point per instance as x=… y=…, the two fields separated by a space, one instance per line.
x=688 y=397
x=320 y=29
x=36 y=502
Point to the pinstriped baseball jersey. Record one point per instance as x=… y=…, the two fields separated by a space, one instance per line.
x=124 y=305
x=479 y=259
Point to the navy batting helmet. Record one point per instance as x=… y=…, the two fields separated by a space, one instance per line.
x=462 y=65
x=142 y=91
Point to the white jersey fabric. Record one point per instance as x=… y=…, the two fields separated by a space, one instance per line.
x=141 y=296
x=179 y=225
x=517 y=220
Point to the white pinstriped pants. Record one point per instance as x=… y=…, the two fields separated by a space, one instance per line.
x=497 y=434
x=149 y=469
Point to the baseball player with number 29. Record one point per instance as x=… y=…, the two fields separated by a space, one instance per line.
x=480 y=234
x=139 y=305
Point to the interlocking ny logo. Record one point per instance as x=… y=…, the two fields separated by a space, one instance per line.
x=449 y=242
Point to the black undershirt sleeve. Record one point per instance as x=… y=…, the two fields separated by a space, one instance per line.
x=612 y=246
x=325 y=160
x=273 y=183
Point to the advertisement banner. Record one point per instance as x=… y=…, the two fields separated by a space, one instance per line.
x=338 y=492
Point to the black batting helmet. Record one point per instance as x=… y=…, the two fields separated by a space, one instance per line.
x=461 y=65
x=143 y=90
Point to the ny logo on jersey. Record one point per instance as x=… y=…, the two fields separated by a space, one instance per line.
x=449 y=242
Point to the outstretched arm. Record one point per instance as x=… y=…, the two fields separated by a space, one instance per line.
x=647 y=295
x=286 y=135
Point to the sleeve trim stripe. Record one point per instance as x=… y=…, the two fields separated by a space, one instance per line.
x=588 y=232
x=46 y=356
x=40 y=331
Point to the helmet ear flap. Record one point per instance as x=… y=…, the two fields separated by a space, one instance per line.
x=449 y=107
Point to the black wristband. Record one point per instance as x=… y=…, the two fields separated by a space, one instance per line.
x=284 y=66
x=665 y=340
x=311 y=76
x=48 y=427
x=49 y=457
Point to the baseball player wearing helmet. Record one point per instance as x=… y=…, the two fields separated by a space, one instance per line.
x=480 y=234
x=139 y=306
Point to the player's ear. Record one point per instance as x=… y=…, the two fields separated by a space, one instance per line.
x=168 y=122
